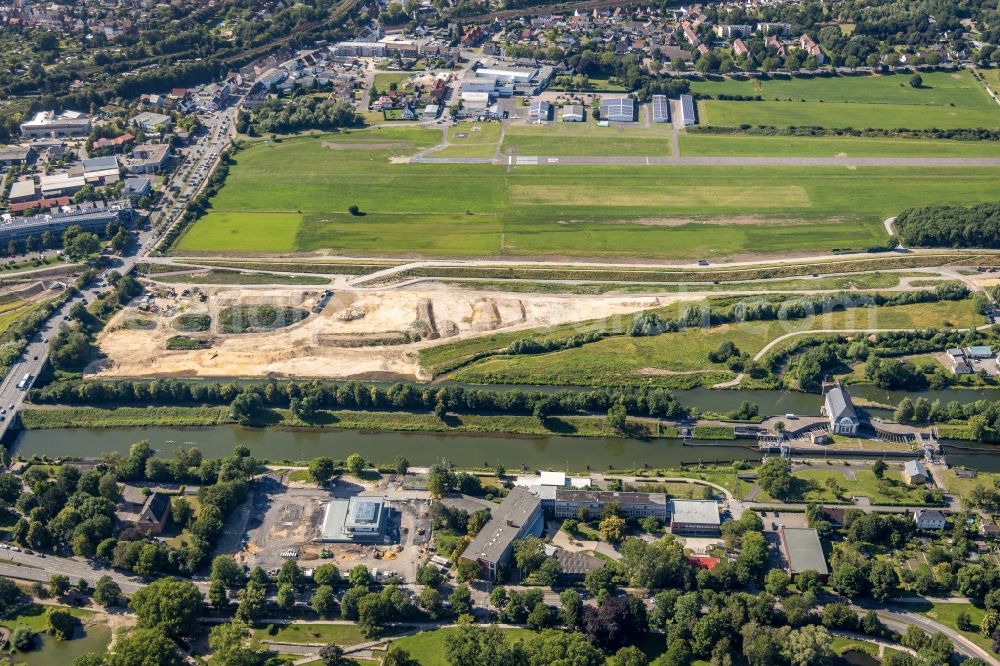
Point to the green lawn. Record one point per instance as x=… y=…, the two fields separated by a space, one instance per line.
x=35 y=616
x=681 y=358
x=992 y=77
x=341 y=634
x=858 y=115
x=471 y=140
x=964 y=487
x=384 y=79
x=586 y=139
x=427 y=647
x=891 y=490
x=947 y=614
x=939 y=89
x=294 y=195
x=729 y=145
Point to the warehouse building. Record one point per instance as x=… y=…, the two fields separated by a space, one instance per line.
x=359 y=519
x=618 y=109
x=688 y=111
x=517 y=517
x=803 y=551
x=694 y=518
x=661 y=109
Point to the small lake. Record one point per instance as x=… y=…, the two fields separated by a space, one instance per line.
x=61 y=653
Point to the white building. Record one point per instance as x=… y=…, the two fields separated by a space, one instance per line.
x=839 y=409
x=49 y=124
x=929 y=519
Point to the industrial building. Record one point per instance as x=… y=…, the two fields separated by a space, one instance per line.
x=49 y=124
x=661 y=109
x=803 y=551
x=517 y=517
x=359 y=519
x=505 y=81
x=618 y=109
x=694 y=517
x=89 y=217
x=687 y=110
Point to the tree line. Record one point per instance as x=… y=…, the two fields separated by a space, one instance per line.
x=950 y=226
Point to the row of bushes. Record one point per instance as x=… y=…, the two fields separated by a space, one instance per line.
x=869 y=132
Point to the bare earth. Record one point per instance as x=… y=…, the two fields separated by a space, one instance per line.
x=358 y=334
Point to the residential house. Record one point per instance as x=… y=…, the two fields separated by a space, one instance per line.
x=930 y=519
x=915 y=473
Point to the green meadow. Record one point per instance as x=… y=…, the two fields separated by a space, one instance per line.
x=738 y=145
x=586 y=139
x=294 y=195
x=945 y=101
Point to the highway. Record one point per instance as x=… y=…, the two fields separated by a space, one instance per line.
x=190 y=178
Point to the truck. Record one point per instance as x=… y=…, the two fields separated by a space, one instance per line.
x=25 y=382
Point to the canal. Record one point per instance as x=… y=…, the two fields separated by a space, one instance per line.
x=288 y=444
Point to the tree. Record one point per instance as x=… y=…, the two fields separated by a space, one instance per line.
x=430 y=601
x=571 y=608
x=58 y=585
x=226 y=571
x=397 y=656
x=467 y=570
x=324 y=601
x=775 y=477
x=400 y=464
x=617 y=418
x=322 y=469
x=883 y=580
x=62 y=624
x=355 y=464
x=231 y=645
x=148 y=647
x=107 y=592
x=285 y=596
x=217 y=595
x=612 y=529
x=252 y=599
x=170 y=605
x=807 y=646
x=327 y=574
x=354 y=210
x=22 y=638
x=849 y=579
x=630 y=655
x=916 y=81
x=246 y=407
x=776 y=582
x=460 y=599
x=290 y=574
x=359 y=576
x=879 y=468
x=332 y=654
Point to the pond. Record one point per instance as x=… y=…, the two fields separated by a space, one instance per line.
x=51 y=652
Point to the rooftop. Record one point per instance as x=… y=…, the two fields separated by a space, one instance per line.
x=607 y=496
x=499 y=533
x=700 y=512
x=803 y=550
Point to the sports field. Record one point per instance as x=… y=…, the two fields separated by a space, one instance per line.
x=586 y=139
x=681 y=359
x=294 y=195
x=945 y=101
x=731 y=145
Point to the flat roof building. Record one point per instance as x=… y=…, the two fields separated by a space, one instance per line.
x=694 y=517
x=803 y=551
x=50 y=124
x=661 y=109
x=359 y=519
x=568 y=503
x=93 y=217
x=518 y=516
x=22 y=190
x=618 y=109
x=688 y=110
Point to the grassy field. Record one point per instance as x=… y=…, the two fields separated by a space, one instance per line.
x=427 y=647
x=940 y=89
x=945 y=101
x=733 y=145
x=681 y=358
x=278 y=199
x=889 y=491
x=585 y=139
x=98 y=417
x=992 y=77
x=845 y=114
x=471 y=140
x=223 y=276
x=964 y=487
x=947 y=614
